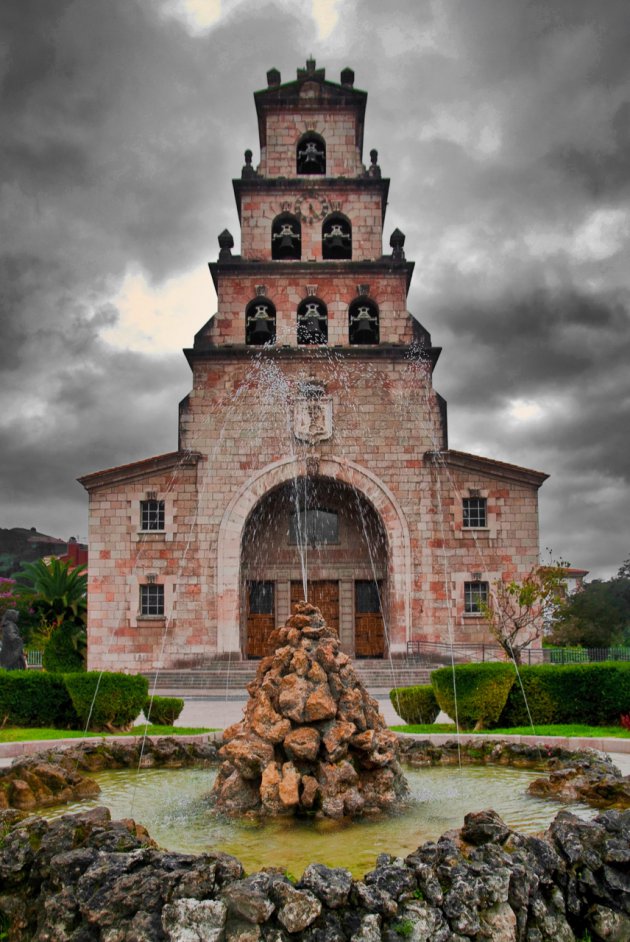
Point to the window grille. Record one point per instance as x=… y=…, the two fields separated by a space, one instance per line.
x=475 y=595
x=366 y=597
x=151 y=599
x=152 y=515
x=475 y=512
x=261 y=598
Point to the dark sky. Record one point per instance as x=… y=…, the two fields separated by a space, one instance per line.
x=505 y=128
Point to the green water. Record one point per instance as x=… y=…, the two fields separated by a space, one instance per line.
x=172 y=804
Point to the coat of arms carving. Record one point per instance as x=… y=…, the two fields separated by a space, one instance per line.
x=312 y=419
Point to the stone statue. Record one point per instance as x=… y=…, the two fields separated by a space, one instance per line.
x=12 y=656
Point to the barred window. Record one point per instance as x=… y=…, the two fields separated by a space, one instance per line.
x=261 y=600
x=475 y=595
x=152 y=515
x=367 y=598
x=152 y=599
x=475 y=512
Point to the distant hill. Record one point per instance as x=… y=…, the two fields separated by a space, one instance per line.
x=21 y=545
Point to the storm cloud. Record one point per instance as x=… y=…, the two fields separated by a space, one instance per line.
x=505 y=129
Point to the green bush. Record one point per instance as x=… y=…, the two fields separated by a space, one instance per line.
x=415 y=704
x=163 y=711
x=35 y=698
x=60 y=654
x=481 y=691
x=595 y=694
x=107 y=701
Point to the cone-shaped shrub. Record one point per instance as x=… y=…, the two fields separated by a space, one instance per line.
x=415 y=704
x=481 y=691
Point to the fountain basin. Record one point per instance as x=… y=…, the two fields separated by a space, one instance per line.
x=173 y=805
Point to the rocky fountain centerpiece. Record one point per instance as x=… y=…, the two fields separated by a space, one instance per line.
x=311 y=741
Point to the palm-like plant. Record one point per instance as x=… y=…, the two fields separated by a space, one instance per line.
x=56 y=591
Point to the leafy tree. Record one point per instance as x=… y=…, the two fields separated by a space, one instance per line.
x=516 y=612
x=598 y=616
x=56 y=591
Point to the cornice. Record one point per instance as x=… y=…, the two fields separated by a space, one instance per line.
x=499 y=469
x=139 y=469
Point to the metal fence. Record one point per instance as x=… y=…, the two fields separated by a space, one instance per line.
x=429 y=654
x=34 y=658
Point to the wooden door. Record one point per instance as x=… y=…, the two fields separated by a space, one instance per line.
x=261 y=618
x=322 y=593
x=369 y=632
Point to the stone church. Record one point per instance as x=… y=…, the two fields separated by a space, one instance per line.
x=313 y=456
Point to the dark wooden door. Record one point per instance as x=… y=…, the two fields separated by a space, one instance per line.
x=322 y=593
x=261 y=618
x=369 y=632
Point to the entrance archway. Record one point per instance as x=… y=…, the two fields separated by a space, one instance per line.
x=320 y=539
x=363 y=483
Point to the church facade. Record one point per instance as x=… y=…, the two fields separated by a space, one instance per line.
x=313 y=457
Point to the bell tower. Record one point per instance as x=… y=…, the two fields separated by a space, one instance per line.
x=311 y=270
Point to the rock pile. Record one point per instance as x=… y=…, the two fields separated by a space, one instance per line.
x=312 y=740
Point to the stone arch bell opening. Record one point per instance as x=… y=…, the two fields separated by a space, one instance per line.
x=328 y=533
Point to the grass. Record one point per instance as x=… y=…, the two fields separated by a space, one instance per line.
x=16 y=734
x=569 y=729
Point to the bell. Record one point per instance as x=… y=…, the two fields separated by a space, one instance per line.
x=287 y=247
x=364 y=331
x=261 y=332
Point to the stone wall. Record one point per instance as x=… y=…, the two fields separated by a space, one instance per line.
x=84 y=878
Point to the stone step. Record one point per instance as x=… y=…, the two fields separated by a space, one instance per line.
x=237 y=675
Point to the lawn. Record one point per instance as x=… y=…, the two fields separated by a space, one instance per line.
x=569 y=729
x=16 y=734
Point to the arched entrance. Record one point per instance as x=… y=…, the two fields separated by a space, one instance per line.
x=317 y=538
x=232 y=607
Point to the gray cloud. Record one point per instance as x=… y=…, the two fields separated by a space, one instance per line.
x=505 y=129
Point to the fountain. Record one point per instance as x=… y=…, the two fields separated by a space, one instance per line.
x=312 y=740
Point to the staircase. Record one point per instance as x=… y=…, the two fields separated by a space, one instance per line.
x=232 y=677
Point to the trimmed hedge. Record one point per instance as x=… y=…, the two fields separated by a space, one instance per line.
x=595 y=694
x=163 y=711
x=481 y=690
x=35 y=698
x=415 y=704
x=107 y=701
x=60 y=656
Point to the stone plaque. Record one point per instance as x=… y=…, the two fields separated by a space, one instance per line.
x=312 y=419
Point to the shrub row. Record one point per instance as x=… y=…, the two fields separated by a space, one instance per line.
x=415 y=704
x=491 y=695
x=92 y=700
x=596 y=694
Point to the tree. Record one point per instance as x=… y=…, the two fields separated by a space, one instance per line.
x=56 y=591
x=598 y=616
x=516 y=612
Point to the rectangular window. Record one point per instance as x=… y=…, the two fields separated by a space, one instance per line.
x=366 y=597
x=261 y=598
x=152 y=599
x=151 y=514
x=475 y=595
x=315 y=527
x=475 y=512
